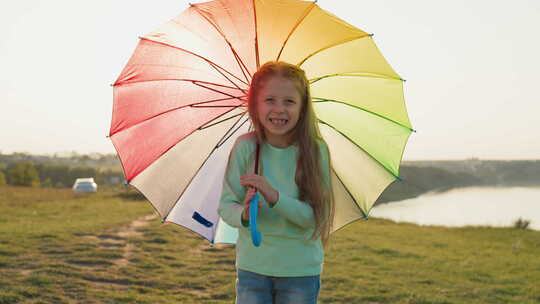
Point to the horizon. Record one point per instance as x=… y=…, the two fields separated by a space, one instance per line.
x=68 y=154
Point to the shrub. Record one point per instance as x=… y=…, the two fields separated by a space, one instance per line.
x=24 y=174
x=521 y=224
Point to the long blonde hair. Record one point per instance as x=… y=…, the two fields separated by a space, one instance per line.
x=309 y=175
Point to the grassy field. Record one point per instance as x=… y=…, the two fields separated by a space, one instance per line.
x=56 y=247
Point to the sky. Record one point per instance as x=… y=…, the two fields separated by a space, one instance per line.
x=471 y=69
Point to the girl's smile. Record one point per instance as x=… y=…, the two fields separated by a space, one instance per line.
x=278 y=122
x=278 y=107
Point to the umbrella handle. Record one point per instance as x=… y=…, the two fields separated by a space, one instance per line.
x=253 y=211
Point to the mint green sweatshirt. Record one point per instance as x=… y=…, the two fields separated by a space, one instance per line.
x=287 y=249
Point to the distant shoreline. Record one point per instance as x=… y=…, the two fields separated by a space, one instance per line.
x=422 y=177
x=447 y=189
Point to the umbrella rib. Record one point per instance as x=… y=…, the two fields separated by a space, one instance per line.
x=243 y=67
x=178 y=108
x=350 y=194
x=195 y=104
x=239 y=61
x=215 y=123
x=333 y=45
x=215 y=106
x=307 y=12
x=367 y=75
x=256 y=35
x=223 y=139
x=362 y=109
x=350 y=140
x=120 y=159
x=197 y=83
x=238 y=57
x=122 y=83
x=217 y=67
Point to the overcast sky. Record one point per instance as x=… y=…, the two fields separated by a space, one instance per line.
x=471 y=69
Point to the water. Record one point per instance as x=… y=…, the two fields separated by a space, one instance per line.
x=473 y=206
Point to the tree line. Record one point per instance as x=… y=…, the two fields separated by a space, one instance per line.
x=73 y=159
x=30 y=174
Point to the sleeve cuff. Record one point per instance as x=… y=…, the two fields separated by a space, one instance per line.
x=274 y=204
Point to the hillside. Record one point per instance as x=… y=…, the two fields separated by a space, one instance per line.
x=424 y=176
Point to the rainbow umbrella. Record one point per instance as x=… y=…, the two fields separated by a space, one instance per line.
x=180 y=102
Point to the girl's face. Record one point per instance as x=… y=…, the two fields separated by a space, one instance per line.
x=278 y=108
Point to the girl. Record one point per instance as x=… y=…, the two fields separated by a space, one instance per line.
x=293 y=180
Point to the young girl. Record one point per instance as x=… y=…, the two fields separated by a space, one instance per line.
x=293 y=180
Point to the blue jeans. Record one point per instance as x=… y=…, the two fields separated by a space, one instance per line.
x=253 y=288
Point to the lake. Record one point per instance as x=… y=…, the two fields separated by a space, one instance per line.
x=471 y=206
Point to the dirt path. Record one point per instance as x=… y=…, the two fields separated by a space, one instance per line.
x=131 y=231
x=118 y=238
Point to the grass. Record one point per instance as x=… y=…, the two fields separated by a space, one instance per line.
x=56 y=247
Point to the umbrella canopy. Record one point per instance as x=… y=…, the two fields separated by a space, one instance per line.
x=180 y=103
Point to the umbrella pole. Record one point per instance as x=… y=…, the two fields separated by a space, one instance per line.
x=254 y=207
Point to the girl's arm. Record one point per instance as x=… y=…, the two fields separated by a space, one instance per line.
x=295 y=211
x=232 y=196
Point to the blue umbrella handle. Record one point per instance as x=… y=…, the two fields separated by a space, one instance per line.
x=253 y=210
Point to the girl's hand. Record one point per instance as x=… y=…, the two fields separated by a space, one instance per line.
x=270 y=194
x=249 y=195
